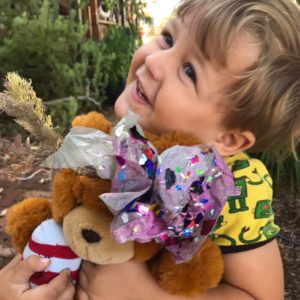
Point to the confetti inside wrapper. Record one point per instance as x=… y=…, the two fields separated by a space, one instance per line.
x=179 y=207
x=174 y=199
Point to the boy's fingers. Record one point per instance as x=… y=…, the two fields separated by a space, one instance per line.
x=68 y=293
x=61 y=287
x=81 y=294
x=26 y=268
x=61 y=280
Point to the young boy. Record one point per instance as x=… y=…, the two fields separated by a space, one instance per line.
x=226 y=72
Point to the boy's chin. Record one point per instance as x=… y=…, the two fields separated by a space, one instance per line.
x=121 y=107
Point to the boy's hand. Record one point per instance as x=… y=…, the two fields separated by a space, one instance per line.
x=129 y=280
x=14 y=281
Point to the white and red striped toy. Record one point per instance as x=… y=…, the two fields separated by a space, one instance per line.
x=48 y=240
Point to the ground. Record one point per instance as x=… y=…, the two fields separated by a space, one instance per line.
x=21 y=180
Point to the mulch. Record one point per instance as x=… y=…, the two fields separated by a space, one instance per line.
x=287 y=210
x=37 y=183
x=13 y=190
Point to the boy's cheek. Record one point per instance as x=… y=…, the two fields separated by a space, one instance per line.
x=121 y=105
x=137 y=60
x=139 y=57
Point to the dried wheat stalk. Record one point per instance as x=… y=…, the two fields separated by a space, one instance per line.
x=20 y=101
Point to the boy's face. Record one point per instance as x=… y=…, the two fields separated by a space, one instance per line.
x=173 y=88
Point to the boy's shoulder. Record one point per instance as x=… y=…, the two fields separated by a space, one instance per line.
x=247 y=220
x=251 y=170
x=242 y=162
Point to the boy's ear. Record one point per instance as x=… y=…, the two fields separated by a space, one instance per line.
x=233 y=142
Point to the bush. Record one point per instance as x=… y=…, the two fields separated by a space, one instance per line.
x=118 y=47
x=54 y=52
x=285 y=174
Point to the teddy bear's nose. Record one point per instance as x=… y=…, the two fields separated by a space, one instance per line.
x=90 y=236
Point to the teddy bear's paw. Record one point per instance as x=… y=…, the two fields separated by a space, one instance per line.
x=202 y=272
x=93 y=120
x=23 y=217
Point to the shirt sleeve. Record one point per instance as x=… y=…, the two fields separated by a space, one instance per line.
x=247 y=220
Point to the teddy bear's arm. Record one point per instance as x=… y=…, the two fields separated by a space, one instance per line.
x=145 y=251
x=202 y=272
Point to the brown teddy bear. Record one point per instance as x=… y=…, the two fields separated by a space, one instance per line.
x=86 y=223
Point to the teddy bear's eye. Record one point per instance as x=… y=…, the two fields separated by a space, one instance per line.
x=90 y=236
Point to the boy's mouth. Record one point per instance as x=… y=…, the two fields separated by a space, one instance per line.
x=140 y=91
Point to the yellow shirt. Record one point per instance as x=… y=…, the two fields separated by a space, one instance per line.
x=247 y=220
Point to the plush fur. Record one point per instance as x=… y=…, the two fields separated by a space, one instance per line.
x=23 y=218
x=86 y=224
x=202 y=272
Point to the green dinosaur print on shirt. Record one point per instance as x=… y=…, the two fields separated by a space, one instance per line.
x=250 y=241
x=263 y=209
x=225 y=237
x=238 y=203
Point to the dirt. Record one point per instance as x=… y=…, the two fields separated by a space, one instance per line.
x=12 y=192
x=37 y=183
x=287 y=209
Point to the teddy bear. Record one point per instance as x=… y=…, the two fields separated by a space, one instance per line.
x=86 y=223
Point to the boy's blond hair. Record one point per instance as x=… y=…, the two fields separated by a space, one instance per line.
x=265 y=99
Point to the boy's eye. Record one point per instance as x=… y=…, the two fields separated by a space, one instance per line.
x=168 y=39
x=190 y=72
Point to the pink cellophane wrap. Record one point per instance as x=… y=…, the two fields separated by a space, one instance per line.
x=174 y=199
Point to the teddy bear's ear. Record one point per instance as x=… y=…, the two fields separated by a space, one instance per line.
x=88 y=190
x=23 y=217
x=63 y=197
x=93 y=120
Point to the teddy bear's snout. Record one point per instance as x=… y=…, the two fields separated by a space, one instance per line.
x=90 y=236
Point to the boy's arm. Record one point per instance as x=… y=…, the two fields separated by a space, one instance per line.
x=14 y=281
x=253 y=274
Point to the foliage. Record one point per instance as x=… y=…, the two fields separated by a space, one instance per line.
x=44 y=46
x=55 y=53
x=63 y=112
x=19 y=95
x=49 y=55
x=138 y=7
x=20 y=101
x=285 y=174
x=10 y=9
x=108 y=4
x=118 y=46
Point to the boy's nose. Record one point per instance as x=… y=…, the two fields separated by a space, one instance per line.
x=157 y=64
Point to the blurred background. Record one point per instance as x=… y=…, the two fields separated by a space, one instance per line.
x=76 y=52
